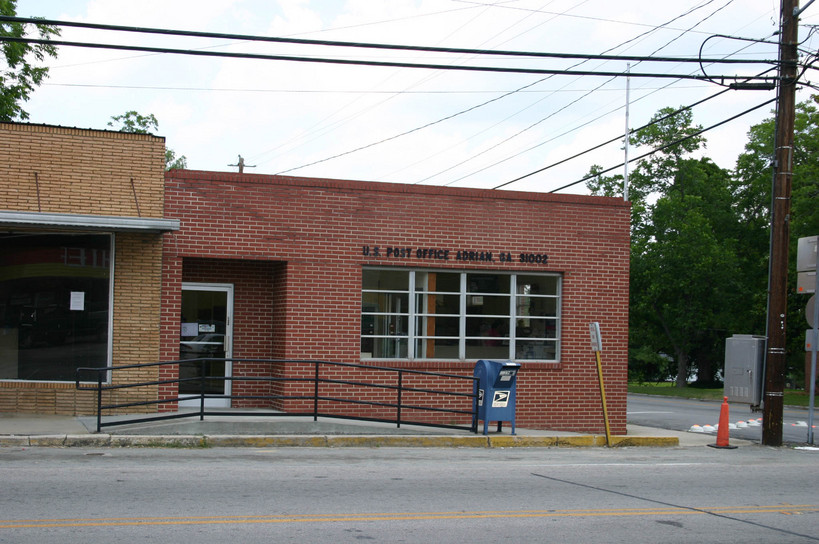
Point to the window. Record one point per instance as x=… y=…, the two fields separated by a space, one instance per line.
x=54 y=304
x=421 y=314
x=385 y=314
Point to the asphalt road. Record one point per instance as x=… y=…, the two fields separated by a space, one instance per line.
x=681 y=414
x=443 y=495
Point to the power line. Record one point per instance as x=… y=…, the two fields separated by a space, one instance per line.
x=387 y=46
x=575 y=101
x=644 y=126
x=612 y=140
x=587 y=17
x=657 y=150
x=352 y=62
x=548 y=77
x=598 y=146
x=519 y=90
x=597 y=88
x=335 y=91
x=393 y=137
x=416 y=129
x=322 y=128
x=332 y=43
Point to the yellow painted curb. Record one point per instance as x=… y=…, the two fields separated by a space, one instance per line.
x=47 y=440
x=580 y=441
x=522 y=441
x=87 y=440
x=266 y=441
x=159 y=441
x=13 y=441
x=408 y=441
x=642 y=441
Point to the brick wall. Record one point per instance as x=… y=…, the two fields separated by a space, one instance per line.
x=315 y=232
x=52 y=169
x=65 y=170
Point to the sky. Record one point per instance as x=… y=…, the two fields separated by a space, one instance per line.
x=410 y=125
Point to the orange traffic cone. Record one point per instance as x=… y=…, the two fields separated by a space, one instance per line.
x=722 y=431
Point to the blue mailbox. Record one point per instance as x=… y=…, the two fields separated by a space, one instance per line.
x=495 y=390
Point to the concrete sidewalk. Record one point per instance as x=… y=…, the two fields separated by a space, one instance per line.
x=26 y=430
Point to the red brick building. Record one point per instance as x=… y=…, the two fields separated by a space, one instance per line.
x=105 y=262
x=405 y=276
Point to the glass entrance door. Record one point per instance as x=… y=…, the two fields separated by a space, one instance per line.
x=205 y=340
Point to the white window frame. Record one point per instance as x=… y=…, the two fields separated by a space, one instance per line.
x=412 y=314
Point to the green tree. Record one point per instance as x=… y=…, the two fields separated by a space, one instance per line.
x=172 y=162
x=685 y=290
x=753 y=178
x=20 y=75
x=132 y=121
x=700 y=243
x=683 y=256
x=753 y=175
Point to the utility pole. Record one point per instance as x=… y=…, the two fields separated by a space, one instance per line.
x=775 y=360
x=628 y=105
x=241 y=164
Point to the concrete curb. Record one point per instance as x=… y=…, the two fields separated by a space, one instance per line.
x=331 y=441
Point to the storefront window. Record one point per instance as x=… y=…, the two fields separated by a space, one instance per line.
x=385 y=314
x=54 y=304
x=459 y=315
x=536 y=317
x=437 y=313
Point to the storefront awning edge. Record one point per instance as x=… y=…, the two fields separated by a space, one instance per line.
x=87 y=222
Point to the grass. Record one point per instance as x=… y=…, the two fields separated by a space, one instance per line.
x=792 y=397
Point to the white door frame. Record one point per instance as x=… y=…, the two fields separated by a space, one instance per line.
x=228 y=289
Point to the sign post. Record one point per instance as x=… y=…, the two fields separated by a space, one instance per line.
x=807 y=262
x=597 y=347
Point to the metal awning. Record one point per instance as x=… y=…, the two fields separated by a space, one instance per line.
x=87 y=222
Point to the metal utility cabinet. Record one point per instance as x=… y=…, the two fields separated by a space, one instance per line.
x=744 y=368
x=495 y=390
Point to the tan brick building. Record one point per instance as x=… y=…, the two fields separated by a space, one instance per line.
x=76 y=205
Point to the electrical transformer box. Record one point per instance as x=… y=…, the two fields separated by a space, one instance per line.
x=744 y=368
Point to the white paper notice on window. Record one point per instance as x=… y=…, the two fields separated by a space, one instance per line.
x=77 y=301
x=190 y=329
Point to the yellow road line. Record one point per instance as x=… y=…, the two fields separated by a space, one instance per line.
x=399 y=516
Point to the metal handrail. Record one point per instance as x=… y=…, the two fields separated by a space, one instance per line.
x=100 y=383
